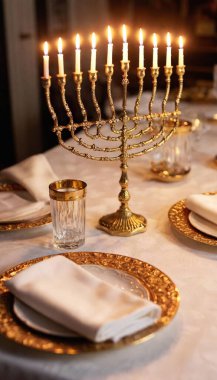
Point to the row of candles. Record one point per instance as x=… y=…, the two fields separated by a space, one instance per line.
x=110 y=52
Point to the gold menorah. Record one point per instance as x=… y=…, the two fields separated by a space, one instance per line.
x=125 y=136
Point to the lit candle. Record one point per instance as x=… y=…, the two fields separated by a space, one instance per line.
x=110 y=47
x=77 y=54
x=125 y=44
x=60 y=57
x=93 y=54
x=141 y=50
x=46 y=60
x=155 y=53
x=169 y=50
x=181 y=52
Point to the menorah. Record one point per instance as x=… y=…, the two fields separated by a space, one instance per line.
x=122 y=136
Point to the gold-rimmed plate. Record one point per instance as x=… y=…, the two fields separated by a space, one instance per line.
x=23 y=224
x=179 y=218
x=160 y=287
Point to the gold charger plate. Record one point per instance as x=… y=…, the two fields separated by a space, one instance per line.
x=178 y=216
x=160 y=287
x=32 y=223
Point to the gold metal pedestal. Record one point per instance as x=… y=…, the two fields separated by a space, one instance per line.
x=123 y=223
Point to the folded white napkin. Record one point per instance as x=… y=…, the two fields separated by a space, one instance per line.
x=69 y=295
x=34 y=174
x=203 y=205
x=14 y=208
x=28 y=211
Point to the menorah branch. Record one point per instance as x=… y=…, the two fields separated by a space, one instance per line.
x=141 y=76
x=62 y=83
x=93 y=79
x=46 y=83
x=78 y=77
x=180 y=70
x=109 y=70
x=154 y=75
x=168 y=72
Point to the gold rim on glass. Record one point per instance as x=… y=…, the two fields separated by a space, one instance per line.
x=184 y=126
x=160 y=287
x=67 y=190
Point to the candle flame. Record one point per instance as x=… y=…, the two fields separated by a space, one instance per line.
x=181 y=42
x=124 y=31
x=168 y=39
x=109 y=35
x=140 y=36
x=77 y=41
x=60 y=45
x=155 y=40
x=46 y=48
x=93 y=40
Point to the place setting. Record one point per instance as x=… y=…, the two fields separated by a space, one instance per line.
x=24 y=195
x=60 y=304
x=196 y=217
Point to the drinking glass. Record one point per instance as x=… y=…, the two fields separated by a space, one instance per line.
x=172 y=161
x=67 y=200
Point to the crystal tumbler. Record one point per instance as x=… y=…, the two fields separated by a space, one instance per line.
x=172 y=161
x=67 y=200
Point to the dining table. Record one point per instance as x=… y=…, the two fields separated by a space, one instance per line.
x=185 y=349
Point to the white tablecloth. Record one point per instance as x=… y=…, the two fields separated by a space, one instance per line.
x=184 y=350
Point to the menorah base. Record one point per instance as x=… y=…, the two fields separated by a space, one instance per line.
x=123 y=223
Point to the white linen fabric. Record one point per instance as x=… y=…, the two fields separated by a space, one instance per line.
x=66 y=293
x=203 y=205
x=34 y=174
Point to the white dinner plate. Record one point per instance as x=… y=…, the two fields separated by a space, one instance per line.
x=38 y=322
x=202 y=224
x=114 y=277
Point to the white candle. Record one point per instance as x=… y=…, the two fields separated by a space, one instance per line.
x=77 y=54
x=93 y=54
x=155 y=52
x=141 y=50
x=110 y=47
x=60 y=57
x=169 y=51
x=46 y=60
x=181 y=52
x=125 y=44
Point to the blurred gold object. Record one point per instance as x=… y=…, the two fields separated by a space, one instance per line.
x=171 y=162
x=212 y=119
